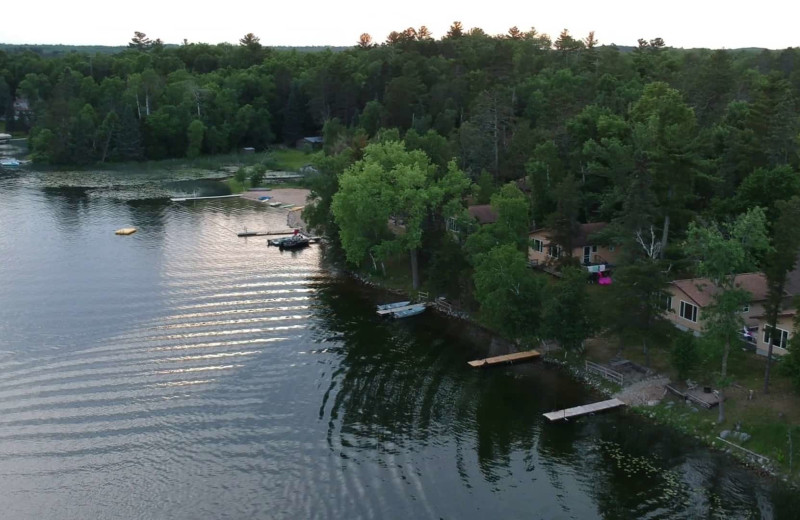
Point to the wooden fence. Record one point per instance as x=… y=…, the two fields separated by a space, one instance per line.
x=611 y=375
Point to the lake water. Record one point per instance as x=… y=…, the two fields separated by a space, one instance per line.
x=183 y=372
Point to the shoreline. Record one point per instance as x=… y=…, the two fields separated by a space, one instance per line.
x=607 y=389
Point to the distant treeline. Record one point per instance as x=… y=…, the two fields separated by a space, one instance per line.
x=55 y=50
x=498 y=102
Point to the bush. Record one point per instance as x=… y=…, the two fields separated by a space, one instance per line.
x=684 y=355
x=790 y=367
x=256 y=178
x=241 y=175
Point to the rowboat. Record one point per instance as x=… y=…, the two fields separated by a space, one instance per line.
x=387 y=306
x=410 y=311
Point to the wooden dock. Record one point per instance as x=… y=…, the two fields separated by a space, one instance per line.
x=527 y=355
x=583 y=410
x=696 y=395
x=264 y=233
x=184 y=199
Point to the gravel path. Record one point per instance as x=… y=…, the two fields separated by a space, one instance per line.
x=643 y=392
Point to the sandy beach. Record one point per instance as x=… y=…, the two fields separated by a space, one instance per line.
x=296 y=196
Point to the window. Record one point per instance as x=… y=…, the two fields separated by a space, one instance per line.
x=781 y=339
x=594 y=249
x=452 y=225
x=538 y=245
x=611 y=248
x=554 y=251
x=746 y=307
x=688 y=311
x=668 y=302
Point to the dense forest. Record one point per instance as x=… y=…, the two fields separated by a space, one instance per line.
x=662 y=143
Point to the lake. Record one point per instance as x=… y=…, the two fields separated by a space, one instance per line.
x=183 y=372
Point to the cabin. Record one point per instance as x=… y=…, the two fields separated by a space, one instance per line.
x=481 y=214
x=595 y=257
x=313 y=143
x=688 y=298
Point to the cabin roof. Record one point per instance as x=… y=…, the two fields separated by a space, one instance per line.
x=483 y=213
x=702 y=290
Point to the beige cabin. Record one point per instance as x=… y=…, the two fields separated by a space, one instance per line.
x=542 y=250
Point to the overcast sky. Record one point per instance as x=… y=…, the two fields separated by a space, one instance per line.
x=681 y=23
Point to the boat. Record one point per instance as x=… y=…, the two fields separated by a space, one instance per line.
x=125 y=231
x=410 y=311
x=274 y=204
x=294 y=242
x=387 y=306
x=277 y=241
x=9 y=162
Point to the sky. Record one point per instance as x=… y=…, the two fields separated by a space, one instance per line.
x=681 y=23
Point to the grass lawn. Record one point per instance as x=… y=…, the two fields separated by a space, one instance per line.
x=768 y=418
x=205 y=162
x=290 y=159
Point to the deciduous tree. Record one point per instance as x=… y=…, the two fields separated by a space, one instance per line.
x=721 y=252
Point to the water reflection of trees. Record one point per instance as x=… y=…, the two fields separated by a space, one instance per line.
x=402 y=384
x=68 y=205
x=397 y=386
x=148 y=214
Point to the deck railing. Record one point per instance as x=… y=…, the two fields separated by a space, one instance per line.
x=611 y=375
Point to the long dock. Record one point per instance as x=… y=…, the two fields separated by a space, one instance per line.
x=264 y=233
x=507 y=358
x=583 y=410
x=184 y=199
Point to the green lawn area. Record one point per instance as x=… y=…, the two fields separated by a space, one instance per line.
x=291 y=159
x=768 y=418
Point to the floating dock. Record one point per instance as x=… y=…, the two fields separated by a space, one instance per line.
x=184 y=199
x=527 y=355
x=583 y=410
x=125 y=231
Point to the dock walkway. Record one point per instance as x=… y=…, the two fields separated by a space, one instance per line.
x=264 y=233
x=507 y=358
x=184 y=199
x=583 y=410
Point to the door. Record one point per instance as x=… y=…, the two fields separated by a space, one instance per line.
x=587 y=254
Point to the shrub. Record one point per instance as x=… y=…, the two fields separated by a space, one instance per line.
x=684 y=354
